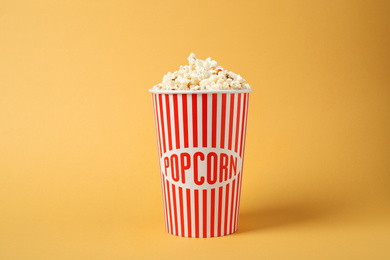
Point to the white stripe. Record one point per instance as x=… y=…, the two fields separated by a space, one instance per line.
x=180 y=114
x=234 y=121
x=234 y=205
x=173 y=210
x=223 y=210
x=209 y=119
x=235 y=215
x=216 y=216
x=185 y=213
x=192 y=192
x=229 y=208
x=172 y=122
x=199 y=114
x=228 y=96
x=219 y=118
x=209 y=209
x=200 y=213
x=189 y=119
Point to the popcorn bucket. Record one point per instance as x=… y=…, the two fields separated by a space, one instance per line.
x=201 y=144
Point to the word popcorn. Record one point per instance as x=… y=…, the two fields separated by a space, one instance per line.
x=220 y=167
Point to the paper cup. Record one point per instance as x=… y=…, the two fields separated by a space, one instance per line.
x=201 y=144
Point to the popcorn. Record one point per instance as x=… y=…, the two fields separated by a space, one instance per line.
x=201 y=75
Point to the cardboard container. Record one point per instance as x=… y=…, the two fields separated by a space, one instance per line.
x=201 y=144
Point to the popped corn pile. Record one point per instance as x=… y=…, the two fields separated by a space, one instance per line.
x=201 y=75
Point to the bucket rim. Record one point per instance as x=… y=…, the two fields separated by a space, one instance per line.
x=154 y=91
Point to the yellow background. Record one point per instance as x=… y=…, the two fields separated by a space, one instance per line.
x=78 y=159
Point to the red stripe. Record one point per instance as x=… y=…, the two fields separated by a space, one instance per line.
x=212 y=212
x=235 y=208
x=195 y=119
x=231 y=121
x=226 y=208
x=162 y=121
x=214 y=124
x=168 y=121
x=232 y=206
x=175 y=208
x=204 y=213
x=158 y=124
x=176 y=115
x=189 y=212
x=170 y=211
x=185 y=120
x=181 y=211
x=220 y=210
x=243 y=123
x=204 y=119
x=223 y=120
x=238 y=121
x=196 y=213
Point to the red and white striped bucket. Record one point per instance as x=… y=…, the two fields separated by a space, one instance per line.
x=201 y=143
